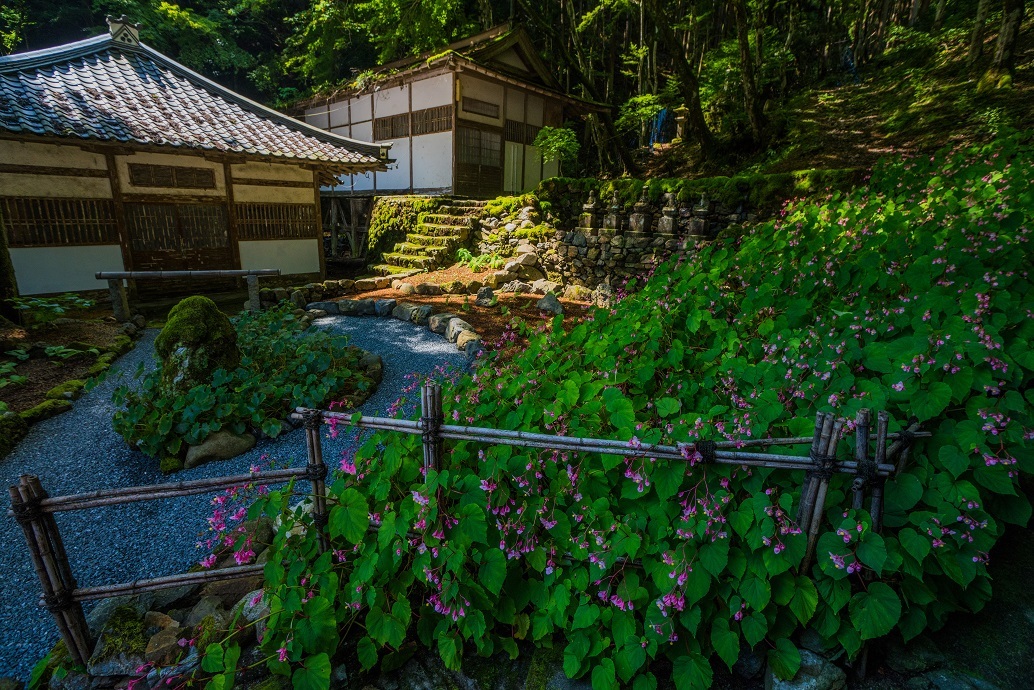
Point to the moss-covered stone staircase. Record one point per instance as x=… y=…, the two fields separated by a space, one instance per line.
x=434 y=241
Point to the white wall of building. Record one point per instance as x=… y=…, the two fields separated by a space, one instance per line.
x=290 y=256
x=45 y=270
x=433 y=92
x=393 y=100
x=396 y=179
x=432 y=161
x=317 y=117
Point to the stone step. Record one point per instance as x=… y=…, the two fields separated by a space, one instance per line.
x=433 y=230
x=432 y=240
x=409 y=261
x=388 y=270
x=442 y=219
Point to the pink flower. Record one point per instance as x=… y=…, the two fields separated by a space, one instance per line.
x=208 y=561
x=282 y=653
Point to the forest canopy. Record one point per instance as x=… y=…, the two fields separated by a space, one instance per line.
x=723 y=68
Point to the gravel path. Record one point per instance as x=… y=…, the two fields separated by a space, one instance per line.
x=78 y=451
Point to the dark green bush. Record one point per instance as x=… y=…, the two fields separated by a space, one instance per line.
x=282 y=366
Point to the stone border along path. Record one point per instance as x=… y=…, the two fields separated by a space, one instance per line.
x=78 y=451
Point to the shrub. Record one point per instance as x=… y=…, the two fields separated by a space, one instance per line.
x=282 y=366
x=911 y=296
x=391 y=218
x=44 y=310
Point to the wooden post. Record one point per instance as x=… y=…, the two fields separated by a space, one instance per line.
x=119 y=301
x=826 y=459
x=431 y=418
x=254 y=302
x=876 y=507
x=317 y=472
x=823 y=425
x=866 y=469
x=51 y=564
x=334 y=204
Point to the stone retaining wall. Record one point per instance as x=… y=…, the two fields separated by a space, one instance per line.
x=608 y=246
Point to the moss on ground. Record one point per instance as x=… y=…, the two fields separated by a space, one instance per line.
x=391 y=218
x=122 y=634
x=13 y=428
x=69 y=390
x=45 y=410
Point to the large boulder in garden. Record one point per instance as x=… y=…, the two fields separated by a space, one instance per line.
x=197 y=340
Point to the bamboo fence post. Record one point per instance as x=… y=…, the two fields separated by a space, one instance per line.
x=826 y=460
x=57 y=594
x=317 y=473
x=431 y=418
x=866 y=472
x=823 y=426
x=876 y=506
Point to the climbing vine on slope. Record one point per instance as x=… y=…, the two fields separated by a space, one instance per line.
x=912 y=295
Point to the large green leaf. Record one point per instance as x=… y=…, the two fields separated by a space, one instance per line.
x=875 y=612
x=314 y=674
x=351 y=518
x=725 y=641
x=691 y=672
x=784 y=658
x=929 y=402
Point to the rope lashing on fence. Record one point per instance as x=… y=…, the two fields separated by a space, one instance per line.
x=707 y=450
x=316 y=473
x=825 y=466
x=58 y=602
x=313 y=420
x=27 y=512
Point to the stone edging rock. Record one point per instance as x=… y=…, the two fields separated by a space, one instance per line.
x=450 y=326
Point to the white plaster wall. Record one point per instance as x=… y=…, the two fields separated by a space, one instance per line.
x=432 y=161
x=433 y=92
x=511 y=58
x=391 y=101
x=361 y=108
x=512 y=155
x=23 y=153
x=317 y=117
x=532 y=169
x=271 y=171
x=54 y=187
x=396 y=179
x=515 y=105
x=535 y=110
x=338 y=113
x=44 y=270
x=363 y=131
x=290 y=256
x=550 y=169
x=483 y=91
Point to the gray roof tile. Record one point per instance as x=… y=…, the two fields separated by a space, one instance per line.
x=101 y=89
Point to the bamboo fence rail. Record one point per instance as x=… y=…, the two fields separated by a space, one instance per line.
x=34 y=509
x=62 y=596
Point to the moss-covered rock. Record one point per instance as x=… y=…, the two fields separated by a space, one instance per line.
x=121 y=645
x=121 y=345
x=197 y=339
x=46 y=410
x=170 y=463
x=13 y=428
x=69 y=390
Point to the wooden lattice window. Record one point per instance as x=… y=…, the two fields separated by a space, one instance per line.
x=176 y=227
x=147 y=175
x=520 y=132
x=58 y=222
x=391 y=127
x=431 y=120
x=276 y=221
x=479 y=147
x=475 y=106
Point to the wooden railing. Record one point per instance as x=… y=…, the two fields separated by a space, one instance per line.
x=120 y=300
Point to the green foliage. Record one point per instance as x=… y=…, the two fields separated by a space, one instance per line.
x=903 y=296
x=479 y=263
x=282 y=367
x=557 y=144
x=43 y=310
x=392 y=217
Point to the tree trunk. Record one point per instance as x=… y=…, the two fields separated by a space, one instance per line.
x=976 y=39
x=913 y=15
x=938 y=19
x=687 y=77
x=750 y=90
x=1005 y=51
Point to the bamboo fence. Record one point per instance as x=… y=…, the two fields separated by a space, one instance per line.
x=62 y=596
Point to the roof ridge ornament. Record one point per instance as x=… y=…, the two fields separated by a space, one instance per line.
x=123 y=31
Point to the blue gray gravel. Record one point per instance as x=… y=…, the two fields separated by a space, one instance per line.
x=78 y=451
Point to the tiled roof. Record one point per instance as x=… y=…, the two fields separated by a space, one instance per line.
x=106 y=90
